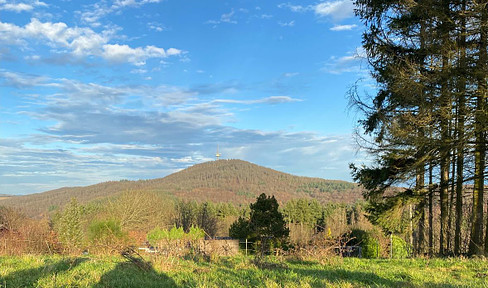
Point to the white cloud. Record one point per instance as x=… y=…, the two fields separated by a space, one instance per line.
x=99 y=10
x=290 y=74
x=294 y=8
x=267 y=100
x=17 y=7
x=227 y=18
x=337 y=10
x=158 y=27
x=345 y=64
x=224 y=18
x=21 y=7
x=81 y=42
x=287 y=24
x=20 y=80
x=137 y=56
x=343 y=27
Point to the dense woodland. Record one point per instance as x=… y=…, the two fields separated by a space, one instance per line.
x=427 y=123
x=235 y=181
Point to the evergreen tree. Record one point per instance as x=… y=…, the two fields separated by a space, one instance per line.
x=266 y=225
x=69 y=226
x=429 y=59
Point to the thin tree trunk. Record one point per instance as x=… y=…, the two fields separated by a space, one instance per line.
x=431 y=210
x=451 y=204
x=461 y=112
x=445 y=112
x=420 y=185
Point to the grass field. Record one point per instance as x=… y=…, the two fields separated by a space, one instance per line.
x=93 y=271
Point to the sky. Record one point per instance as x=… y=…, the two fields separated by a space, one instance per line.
x=93 y=91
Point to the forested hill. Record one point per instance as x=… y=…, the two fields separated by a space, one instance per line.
x=234 y=181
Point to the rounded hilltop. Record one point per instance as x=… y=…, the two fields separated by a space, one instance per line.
x=233 y=180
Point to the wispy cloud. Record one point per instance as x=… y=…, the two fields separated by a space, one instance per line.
x=295 y=7
x=337 y=10
x=267 y=100
x=350 y=63
x=99 y=10
x=158 y=27
x=287 y=24
x=290 y=74
x=18 y=80
x=224 y=18
x=343 y=27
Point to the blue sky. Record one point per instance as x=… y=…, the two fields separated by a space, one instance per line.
x=92 y=91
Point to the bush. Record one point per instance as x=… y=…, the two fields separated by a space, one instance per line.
x=400 y=249
x=371 y=247
x=369 y=241
x=107 y=235
x=175 y=242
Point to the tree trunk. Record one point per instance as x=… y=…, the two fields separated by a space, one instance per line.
x=461 y=112
x=476 y=243
x=431 y=210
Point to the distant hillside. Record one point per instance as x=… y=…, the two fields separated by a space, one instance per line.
x=5 y=196
x=234 y=181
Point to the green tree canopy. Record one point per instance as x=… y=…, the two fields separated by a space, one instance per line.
x=266 y=226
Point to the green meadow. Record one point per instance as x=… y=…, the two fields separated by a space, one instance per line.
x=240 y=271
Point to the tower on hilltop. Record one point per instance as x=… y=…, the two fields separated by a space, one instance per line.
x=217 y=155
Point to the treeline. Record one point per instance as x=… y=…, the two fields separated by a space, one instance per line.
x=106 y=226
x=427 y=124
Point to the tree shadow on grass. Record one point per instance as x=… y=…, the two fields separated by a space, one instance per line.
x=126 y=274
x=30 y=277
x=363 y=279
x=320 y=277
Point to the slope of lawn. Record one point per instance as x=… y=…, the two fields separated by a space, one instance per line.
x=240 y=271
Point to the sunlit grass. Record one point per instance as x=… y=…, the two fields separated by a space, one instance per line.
x=240 y=271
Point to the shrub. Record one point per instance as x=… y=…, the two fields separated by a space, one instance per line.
x=175 y=242
x=369 y=241
x=400 y=248
x=69 y=226
x=371 y=247
x=107 y=235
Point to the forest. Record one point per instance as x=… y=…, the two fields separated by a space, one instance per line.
x=106 y=227
x=234 y=181
x=426 y=123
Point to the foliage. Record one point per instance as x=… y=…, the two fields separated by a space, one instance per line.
x=69 y=226
x=207 y=219
x=22 y=235
x=240 y=229
x=400 y=248
x=265 y=227
x=107 y=234
x=139 y=210
x=428 y=117
x=368 y=240
x=157 y=234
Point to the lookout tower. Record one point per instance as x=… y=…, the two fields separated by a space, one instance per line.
x=217 y=155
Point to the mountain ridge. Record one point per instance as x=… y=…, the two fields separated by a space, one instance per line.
x=234 y=181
